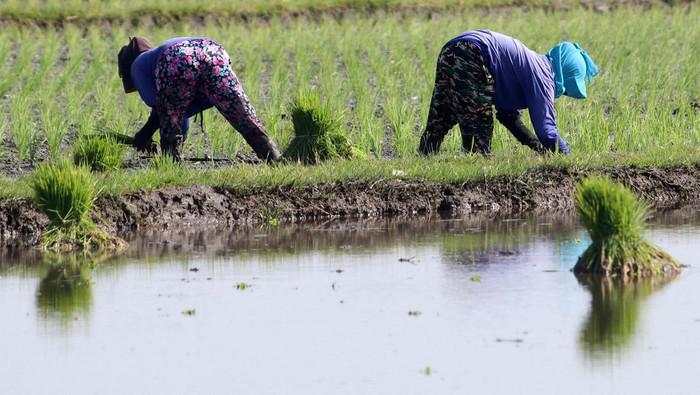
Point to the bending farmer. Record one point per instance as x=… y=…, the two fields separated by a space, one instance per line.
x=183 y=77
x=480 y=69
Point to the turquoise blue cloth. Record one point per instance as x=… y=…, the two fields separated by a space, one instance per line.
x=573 y=69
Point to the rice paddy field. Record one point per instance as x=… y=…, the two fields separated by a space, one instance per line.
x=375 y=67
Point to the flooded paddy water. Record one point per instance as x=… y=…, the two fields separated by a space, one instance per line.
x=448 y=306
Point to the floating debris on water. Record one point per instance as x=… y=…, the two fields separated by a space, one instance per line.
x=475 y=278
x=414 y=313
x=189 y=312
x=242 y=286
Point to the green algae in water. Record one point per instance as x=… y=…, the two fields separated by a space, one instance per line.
x=318 y=132
x=615 y=220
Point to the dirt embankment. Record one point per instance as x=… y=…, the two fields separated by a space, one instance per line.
x=541 y=190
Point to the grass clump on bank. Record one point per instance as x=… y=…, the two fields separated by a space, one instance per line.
x=615 y=220
x=99 y=153
x=66 y=193
x=318 y=132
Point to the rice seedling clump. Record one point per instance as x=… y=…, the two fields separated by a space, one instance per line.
x=318 y=132
x=615 y=220
x=66 y=193
x=99 y=153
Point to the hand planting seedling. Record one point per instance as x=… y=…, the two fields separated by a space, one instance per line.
x=192 y=74
x=615 y=220
x=318 y=132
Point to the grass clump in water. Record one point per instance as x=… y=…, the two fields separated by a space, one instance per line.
x=615 y=220
x=99 y=153
x=66 y=193
x=318 y=132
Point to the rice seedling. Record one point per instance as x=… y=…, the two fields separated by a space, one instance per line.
x=318 y=132
x=99 y=153
x=615 y=220
x=66 y=193
x=638 y=112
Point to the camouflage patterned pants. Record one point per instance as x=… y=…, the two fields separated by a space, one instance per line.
x=463 y=94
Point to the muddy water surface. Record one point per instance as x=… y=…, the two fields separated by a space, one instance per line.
x=380 y=307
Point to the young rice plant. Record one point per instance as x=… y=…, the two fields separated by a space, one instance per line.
x=615 y=220
x=318 y=132
x=98 y=153
x=66 y=194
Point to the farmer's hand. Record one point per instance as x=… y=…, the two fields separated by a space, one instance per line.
x=144 y=143
x=143 y=140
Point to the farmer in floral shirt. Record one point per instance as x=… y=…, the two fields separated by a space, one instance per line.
x=180 y=78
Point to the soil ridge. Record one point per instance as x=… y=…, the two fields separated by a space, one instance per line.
x=537 y=190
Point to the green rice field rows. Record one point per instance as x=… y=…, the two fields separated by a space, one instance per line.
x=59 y=83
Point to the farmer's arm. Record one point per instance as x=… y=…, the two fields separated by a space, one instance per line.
x=143 y=140
x=512 y=121
x=540 y=103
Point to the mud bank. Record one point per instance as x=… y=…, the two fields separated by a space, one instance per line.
x=538 y=190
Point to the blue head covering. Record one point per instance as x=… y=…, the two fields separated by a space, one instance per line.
x=573 y=69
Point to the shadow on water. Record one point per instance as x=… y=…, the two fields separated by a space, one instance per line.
x=64 y=293
x=615 y=310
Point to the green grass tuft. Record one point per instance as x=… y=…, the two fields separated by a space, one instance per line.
x=66 y=193
x=318 y=131
x=615 y=220
x=99 y=153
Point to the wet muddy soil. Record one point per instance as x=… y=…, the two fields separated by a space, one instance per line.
x=538 y=191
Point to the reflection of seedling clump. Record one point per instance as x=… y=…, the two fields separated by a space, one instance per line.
x=66 y=193
x=615 y=220
x=615 y=308
x=65 y=289
x=318 y=132
x=98 y=153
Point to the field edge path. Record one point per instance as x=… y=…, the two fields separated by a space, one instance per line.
x=537 y=190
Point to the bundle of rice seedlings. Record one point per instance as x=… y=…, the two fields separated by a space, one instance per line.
x=99 y=153
x=615 y=220
x=318 y=132
x=66 y=193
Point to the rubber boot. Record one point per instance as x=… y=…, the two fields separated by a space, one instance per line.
x=476 y=143
x=429 y=143
x=171 y=145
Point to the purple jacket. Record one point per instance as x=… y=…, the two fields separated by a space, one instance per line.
x=523 y=79
x=143 y=75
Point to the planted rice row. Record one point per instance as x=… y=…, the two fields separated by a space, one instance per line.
x=57 y=85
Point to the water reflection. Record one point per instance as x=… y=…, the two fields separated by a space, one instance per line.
x=614 y=315
x=65 y=292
